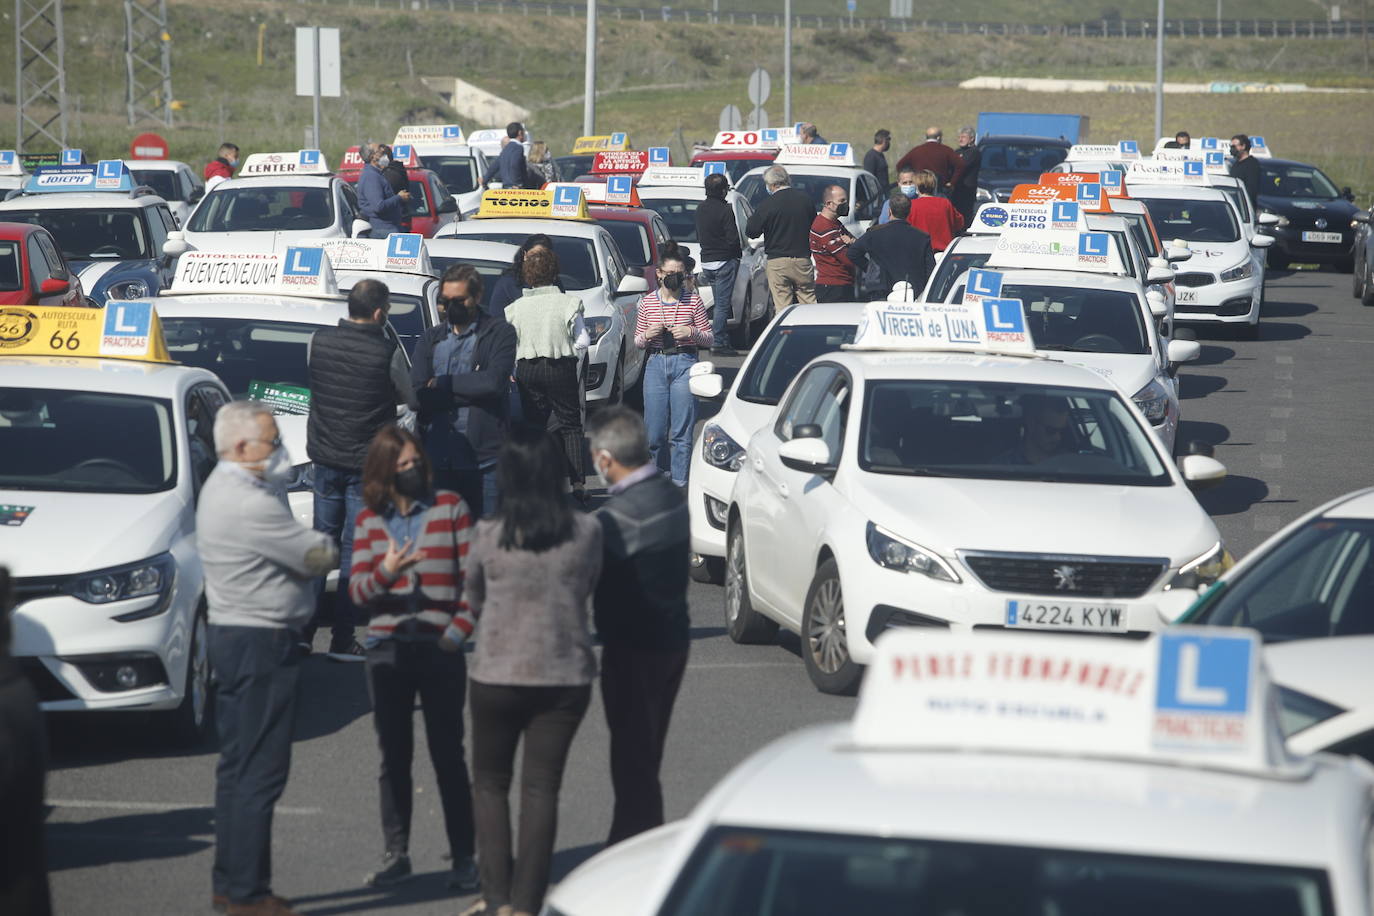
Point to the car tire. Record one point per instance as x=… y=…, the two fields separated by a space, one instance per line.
x=617 y=394
x=1367 y=299
x=192 y=724
x=710 y=572
x=824 y=642
x=744 y=624
x=1357 y=279
x=741 y=335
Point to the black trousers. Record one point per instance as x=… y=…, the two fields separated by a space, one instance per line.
x=551 y=394
x=827 y=293
x=396 y=673
x=638 y=689
x=547 y=718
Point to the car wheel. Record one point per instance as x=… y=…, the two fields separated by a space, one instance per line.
x=617 y=394
x=711 y=571
x=1367 y=299
x=193 y=722
x=744 y=624
x=741 y=335
x=1357 y=278
x=825 y=643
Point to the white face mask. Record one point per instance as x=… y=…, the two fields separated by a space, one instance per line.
x=276 y=468
x=383 y=161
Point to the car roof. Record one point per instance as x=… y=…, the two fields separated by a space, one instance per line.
x=122 y=376
x=1177 y=192
x=579 y=229
x=1045 y=802
x=475 y=249
x=15 y=231
x=1359 y=504
x=986 y=241
x=968 y=367
x=823 y=171
x=717 y=155
x=93 y=200
x=823 y=313
x=1024 y=138
x=161 y=165
x=253 y=307
x=622 y=214
x=1330 y=668
x=406 y=283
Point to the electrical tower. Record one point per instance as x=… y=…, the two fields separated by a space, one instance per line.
x=148 y=62
x=40 y=76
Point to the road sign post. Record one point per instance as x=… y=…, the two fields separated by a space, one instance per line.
x=318 y=70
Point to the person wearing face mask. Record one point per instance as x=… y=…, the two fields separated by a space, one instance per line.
x=906 y=186
x=461 y=370
x=381 y=206
x=409 y=556
x=829 y=239
x=260 y=565
x=932 y=214
x=222 y=166
x=1246 y=168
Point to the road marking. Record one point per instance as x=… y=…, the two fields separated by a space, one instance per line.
x=1281 y=413
x=97 y=805
x=1276 y=435
x=1283 y=359
x=1271 y=461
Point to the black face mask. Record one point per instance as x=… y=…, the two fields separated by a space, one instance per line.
x=673 y=281
x=459 y=311
x=410 y=483
x=842 y=209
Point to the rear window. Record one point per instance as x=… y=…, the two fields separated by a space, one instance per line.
x=784 y=353
x=163 y=182
x=577 y=268
x=259 y=209
x=11 y=267
x=1193 y=220
x=680 y=216
x=1021 y=157
x=632 y=239
x=458 y=173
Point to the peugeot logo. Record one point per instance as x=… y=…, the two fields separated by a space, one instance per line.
x=1066 y=578
x=1320 y=223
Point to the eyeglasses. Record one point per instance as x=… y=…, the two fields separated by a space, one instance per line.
x=455 y=300
x=275 y=441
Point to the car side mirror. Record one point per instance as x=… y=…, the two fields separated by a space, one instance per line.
x=806 y=451
x=1268 y=219
x=359 y=229
x=450 y=205
x=1159 y=306
x=1182 y=351
x=1262 y=241
x=1159 y=275
x=707 y=387
x=1361 y=217
x=1201 y=472
x=195 y=196
x=54 y=287
x=90 y=303
x=632 y=283
x=1173 y=254
x=175 y=246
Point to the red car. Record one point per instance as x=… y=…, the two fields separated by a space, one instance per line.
x=637 y=232
x=430 y=205
x=33 y=270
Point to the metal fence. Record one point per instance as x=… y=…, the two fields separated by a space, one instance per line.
x=1096 y=28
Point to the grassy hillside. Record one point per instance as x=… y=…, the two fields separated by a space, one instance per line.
x=667 y=82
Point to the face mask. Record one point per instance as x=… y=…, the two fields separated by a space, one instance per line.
x=460 y=311
x=233 y=163
x=410 y=483
x=276 y=470
x=909 y=190
x=672 y=282
x=383 y=162
x=842 y=209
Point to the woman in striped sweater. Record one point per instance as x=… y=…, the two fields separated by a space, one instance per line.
x=410 y=549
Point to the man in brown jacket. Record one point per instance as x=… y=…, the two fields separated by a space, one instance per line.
x=934 y=156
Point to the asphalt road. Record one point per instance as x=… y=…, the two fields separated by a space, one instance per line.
x=130 y=828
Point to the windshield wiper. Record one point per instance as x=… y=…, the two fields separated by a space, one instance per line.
x=909 y=471
x=1064 y=348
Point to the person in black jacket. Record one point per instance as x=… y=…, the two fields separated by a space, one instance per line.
x=898 y=251
x=511 y=284
x=718 y=235
x=1246 y=168
x=23 y=764
x=357 y=378
x=462 y=371
x=640 y=610
x=398 y=177
x=784 y=220
x=964 y=194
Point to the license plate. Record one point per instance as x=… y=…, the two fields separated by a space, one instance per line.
x=1066 y=615
x=1185 y=296
x=1321 y=236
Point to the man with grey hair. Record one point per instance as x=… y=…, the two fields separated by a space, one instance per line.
x=934 y=156
x=784 y=220
x=259 y=565
x=382 y=207
x=641 y=613
x=964 y=192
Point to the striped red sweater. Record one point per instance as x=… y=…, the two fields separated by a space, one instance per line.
x=445 y=534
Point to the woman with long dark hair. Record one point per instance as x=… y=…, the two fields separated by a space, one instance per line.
x=531 y=571
x=511 y=284
x=409 y=553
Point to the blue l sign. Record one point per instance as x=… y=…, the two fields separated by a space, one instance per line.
x=403 y=245
x=128 y=319
x=1204 y=673
x=619 y=186
x=1004 y=316
x=713 y=168
x=310 y=157
x=303 y=262
x=985 y=283
x=1092 y=244
x=71 y=157
x=567 y=196
x=1090 y=192
x=1192 y=168
x=658 y=155
x=1065 y=211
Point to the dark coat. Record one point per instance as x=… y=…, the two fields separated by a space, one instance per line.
x=23 y=750
x=484 y=390
x=641 y=597
x=900 y=250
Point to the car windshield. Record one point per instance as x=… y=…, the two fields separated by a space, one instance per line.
x=457 y=173
x=679 y=215
x=1295 y=181
x=753 y=190
x=735 y=168
x=1317 y=582
x=633 y=239
x=11 y=267
x=85 y=442
x=490 y=271
x=783 y=354
x=952 y=267
x=577 y=267
x=1081 y=319
x=160 y=180
x=418 y=205
x=242 y=351
x=571 y=168
x=744 y=872
x=254 y=208
x=1001 y=431
x=1021 y=157
x=407 y=317
x=91 y=235
x=1193 y=220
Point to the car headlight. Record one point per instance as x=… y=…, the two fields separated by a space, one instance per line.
x=1204 y=570
x=1299 y=711
x=153 y=576
x=891 y=553
x=127 y=289
x=302 y=478
x=1240 y=272
x=719 y=450
x=1153 y=401
x=597 y=328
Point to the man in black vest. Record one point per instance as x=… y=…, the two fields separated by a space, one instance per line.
x=357 y=377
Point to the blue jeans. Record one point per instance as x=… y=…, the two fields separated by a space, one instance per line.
x=722 y=282
x=670 y=412
x=256 y=674
x=338 y=500
x=477 y=486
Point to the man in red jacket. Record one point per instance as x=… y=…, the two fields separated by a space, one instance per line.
x=934 y=156
x=829 y=241
x=223 y=165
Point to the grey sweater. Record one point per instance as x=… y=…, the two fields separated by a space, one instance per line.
x=259 y=561
x=532 y=609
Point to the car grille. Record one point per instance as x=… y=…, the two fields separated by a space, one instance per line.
x=1036 y=574
x=1194 y=279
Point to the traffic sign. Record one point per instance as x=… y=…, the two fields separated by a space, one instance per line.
x=757 y=120
x=759 y=85
x=731 y=118
x=148 y=146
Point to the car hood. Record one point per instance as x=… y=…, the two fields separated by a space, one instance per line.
x=616 y=880
x=95 y=275
x=1335 y=669
x=740 y=419
x=256 y=241
x=948 y=514
x=1215 y=256
x=78 y=532
x=1129 y=372
x=1338 y=211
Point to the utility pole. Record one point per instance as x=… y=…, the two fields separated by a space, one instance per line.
x=589 y=78
x=315 y=40
x=40 y=75
x=787 y=64
x=147 y=62
x=1159 y=72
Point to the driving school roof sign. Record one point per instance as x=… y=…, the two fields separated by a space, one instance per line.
x=616 y=191
x=10 y=163
x=295 y=271
x=993 y=325
x=1121 y=151
x=769 y=138
x=121 y=330
x=400 y=252
x=301 y=162
x=583 y=146
x=685 y=176
x=429 y=135
x=815 y=154
x=105 y=175
x=619 y=161
x=564 y=201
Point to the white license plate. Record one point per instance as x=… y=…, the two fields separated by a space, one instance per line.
x=1185 y=296
x=1066 y=615
x=1321 y=236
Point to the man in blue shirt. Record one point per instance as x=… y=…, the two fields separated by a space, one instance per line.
x=509 y=167
x=380 y=206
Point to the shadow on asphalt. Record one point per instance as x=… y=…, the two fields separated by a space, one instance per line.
x=1233 y=495
x=565 y=860
x=1212 y=355
x=129 y=838
x=1200 y=431
x=423 y=887
x=1191 y=385
x=1270 y=331
x=1274 y=309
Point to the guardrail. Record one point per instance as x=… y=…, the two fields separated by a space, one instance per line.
x=1097 y=28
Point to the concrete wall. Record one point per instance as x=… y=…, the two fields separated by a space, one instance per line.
x=476 y=106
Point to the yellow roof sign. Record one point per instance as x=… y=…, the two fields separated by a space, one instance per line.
x=121 y=330
x=564 y=201
x=583 y=146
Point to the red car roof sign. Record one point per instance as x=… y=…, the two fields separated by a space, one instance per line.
x=617 y=161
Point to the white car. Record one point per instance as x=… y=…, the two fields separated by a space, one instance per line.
x=401 y=261
x=675 y=195
x=813 y=168
x=12 y=174
x=277 y=199
x=175 y=182
x=920 y=478
x=101 y=459
x=594 y=270
x=489 y=259
x=1324 y=693
x=792 y=340
x=978 y=776
x=460 y=165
